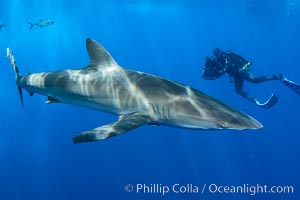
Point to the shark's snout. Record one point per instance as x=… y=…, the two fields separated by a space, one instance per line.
x=241 y=122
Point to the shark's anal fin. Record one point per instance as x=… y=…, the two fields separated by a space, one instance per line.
x=125 y=123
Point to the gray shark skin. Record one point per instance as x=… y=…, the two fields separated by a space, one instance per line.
x=136 y=97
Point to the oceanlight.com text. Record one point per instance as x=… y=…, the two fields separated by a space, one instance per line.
x=176 y=188
x=250 y=189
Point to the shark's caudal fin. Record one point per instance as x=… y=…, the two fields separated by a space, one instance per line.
x=17 y=73
x=99 y=56
x=125 y=123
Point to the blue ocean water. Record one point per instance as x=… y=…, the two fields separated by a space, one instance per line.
x=167 y=38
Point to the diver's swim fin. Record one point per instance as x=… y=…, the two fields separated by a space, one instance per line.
x=292 y=85
x=271 y=102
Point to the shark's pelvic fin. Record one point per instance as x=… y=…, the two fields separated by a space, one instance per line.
x=125 y=123
x=99 y=57
x=52 y=100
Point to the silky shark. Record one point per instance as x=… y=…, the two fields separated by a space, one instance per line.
x=136 y=97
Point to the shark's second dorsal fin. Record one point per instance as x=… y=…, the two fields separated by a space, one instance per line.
x=99 y=57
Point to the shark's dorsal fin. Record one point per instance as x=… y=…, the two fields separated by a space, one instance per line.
x=99 y=57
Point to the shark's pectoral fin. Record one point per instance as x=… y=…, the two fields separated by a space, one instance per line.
x=125 y=123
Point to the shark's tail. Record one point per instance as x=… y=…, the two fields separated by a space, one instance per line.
x=31 y=25
x=18 y=76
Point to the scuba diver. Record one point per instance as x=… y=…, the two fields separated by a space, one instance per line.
x=239 y=69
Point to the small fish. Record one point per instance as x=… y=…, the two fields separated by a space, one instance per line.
x=41 y=23
x=2 y=26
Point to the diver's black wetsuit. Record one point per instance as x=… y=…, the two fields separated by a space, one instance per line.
x=238 y=69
